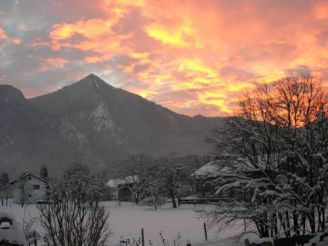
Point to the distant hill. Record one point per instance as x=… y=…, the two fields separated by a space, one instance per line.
x=92 y=123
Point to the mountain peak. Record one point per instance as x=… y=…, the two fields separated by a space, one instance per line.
x=93 y=80
x=10 y=93
x=92 y=76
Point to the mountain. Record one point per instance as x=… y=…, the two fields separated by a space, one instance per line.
x=96 y=124
x=28 y=137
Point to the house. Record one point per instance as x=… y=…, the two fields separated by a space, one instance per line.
x=122 y=189
x=203 y=176
x=214 y=174
x=28 y=188
x=208 y=177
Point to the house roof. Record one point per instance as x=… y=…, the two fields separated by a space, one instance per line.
x=211 y=169
x=24 y=175
x=113 y=183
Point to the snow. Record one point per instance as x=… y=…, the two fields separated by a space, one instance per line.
x=68 y=131
x=316 y=241
x=102 y=118
x=253 y=238
x=210 y=168
x=114 y=183
x=11 y=232
x=125 y=222
x=103 y=121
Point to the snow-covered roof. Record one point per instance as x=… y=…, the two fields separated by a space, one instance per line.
x=211 y=169
x=113 y=183
x=24 y=175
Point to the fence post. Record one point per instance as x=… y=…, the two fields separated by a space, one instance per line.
x=205 y=231
x=142 y=237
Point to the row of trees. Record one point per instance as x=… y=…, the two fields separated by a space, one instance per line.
x=156 y=180
x=74 y=215
x=275 y=157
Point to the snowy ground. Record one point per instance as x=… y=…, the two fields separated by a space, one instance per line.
x=126 y=222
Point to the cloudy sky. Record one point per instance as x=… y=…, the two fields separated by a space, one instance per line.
x=192 y=56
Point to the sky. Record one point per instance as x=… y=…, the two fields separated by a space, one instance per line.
x=192 y=56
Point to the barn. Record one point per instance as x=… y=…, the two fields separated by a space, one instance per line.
x=122 y=189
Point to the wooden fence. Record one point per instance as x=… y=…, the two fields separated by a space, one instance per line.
x=202 y=200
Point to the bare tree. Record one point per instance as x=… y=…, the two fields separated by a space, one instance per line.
x=73 y=214
x=23 y=190
x=153 y=192
x=174 y=178
x=275 y=155
x=138 y=171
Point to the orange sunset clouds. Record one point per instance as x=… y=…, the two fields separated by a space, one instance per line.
x=192 y=56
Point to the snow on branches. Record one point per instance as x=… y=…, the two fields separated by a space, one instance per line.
x=276 y=151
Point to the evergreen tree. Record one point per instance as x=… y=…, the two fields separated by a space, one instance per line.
x=44 y=172
x=4 y=178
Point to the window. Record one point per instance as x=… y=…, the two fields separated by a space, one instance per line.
x=29 y=178
x=36 y=187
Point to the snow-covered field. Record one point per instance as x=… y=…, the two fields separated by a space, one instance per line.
x=126 y=222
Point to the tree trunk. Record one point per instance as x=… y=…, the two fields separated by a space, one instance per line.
x=174 y=204
x=312 y=221
x=275 y=225
x=323 y=222
x=304 y=224
x=155 y=203
x=295 y=224
x=283 y=224
x=288 y=224
x=319 y=218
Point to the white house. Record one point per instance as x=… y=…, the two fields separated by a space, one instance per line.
x=28 y=188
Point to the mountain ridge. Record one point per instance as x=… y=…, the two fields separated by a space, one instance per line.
x=97 y=124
